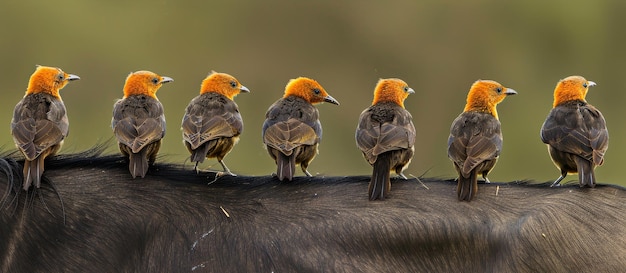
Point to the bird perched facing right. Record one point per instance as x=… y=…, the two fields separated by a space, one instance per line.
x=386 y=135
x=40 y=123
x=212 y=123
x=475 y=138
x=292 y=130
x=575 y=132
x=138 y=120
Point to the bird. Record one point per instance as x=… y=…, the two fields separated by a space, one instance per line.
x=475 y=139
x=575 y=132
x=138 y=120
x=292 y=129
x=386 y=135
x=212 y=123
x=40 y=122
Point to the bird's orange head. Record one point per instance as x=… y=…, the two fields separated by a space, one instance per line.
x=484 y=95
x=144 y=83
x=571 y=88
x=308 y=89
x=394 y=90
x=222 y=83
x=48 y=80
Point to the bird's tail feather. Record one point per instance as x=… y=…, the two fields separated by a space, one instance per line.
x=380 y=185
x=286 y=166
x=32 y=172
x=198 y=155
x=586 y=174
x=467 y=186
x=138 y=164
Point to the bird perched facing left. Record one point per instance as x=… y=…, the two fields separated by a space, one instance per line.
x=138 y=120
x=475 y=138
x=575 y=132
x=40 y=122
x=292 y=130
x=212 y=124
x=386 y=135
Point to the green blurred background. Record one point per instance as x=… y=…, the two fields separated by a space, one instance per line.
x=439 y=47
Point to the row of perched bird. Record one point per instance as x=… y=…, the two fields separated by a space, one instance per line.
x=575 y=131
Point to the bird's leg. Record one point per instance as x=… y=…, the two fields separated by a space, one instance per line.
x=486 y=179
x=305 y=171
x=226 y=170
x=557 y=181
x=401 y=175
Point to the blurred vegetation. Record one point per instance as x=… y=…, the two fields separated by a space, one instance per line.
x=439 y=47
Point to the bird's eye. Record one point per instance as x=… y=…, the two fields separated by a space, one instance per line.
x=233 y=84
x=585 y=85
x=406 y=89
x=60 y=77
x=155 y=80
x=499 y=90
x=316 y=91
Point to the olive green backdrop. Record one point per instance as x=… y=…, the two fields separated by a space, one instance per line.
x=439 y=47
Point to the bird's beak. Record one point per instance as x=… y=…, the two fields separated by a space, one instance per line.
x=331 y=100
x=72 y=77
x=244 y=89
x=510 y=91
x=410 y=91
x=166 y=79
x=590 y=84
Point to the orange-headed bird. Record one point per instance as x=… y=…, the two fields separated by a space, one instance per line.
x=40 y=121
x=292 y=129
x=475 y=138
x=575 y=131
x=212 y=123
x=386 y=135
x=138 y=120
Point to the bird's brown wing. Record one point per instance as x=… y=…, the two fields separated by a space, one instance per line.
x=39 y=122
x=138 y=125
x=577 y=128
x=207 y=120
x=474 y=138
x=289 y=134
x=382 y=128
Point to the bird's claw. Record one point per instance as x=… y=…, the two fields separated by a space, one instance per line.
x=219 y=174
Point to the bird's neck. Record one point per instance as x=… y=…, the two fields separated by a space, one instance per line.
x=564 y=97
x=386 y=97
x=54 y=93
x=482 y=108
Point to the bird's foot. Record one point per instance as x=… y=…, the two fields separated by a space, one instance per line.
x=555 y=184
x=218 y=174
